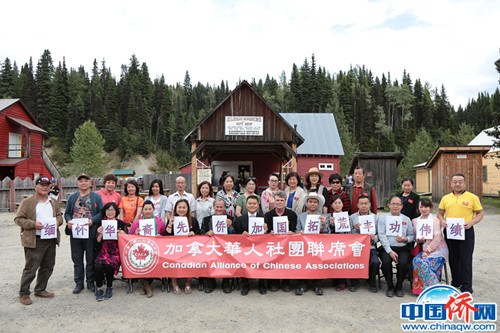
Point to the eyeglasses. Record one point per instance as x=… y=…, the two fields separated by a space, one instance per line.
x=273 y=180
x=335 y=182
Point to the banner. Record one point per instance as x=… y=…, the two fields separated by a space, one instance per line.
x=296 y=256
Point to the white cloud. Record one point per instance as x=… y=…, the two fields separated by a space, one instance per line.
x=441 y=42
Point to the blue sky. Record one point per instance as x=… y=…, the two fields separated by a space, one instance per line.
x=454 y=43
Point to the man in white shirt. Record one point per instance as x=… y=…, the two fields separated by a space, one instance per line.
x=180 y=185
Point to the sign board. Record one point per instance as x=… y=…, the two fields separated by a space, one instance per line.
x=204 y=175
x=244 y=125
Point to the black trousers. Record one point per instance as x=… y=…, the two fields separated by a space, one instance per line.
x=372 y=269
x=402 y=266
x=81 y=248
x=460 y=259
x=102 y=270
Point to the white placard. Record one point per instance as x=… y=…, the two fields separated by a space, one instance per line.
x=393 y=225
x=425 y=229
x=147 y=227
x=49 y=230
x=313 y=224
x=109 y=230
x=367 y=224
x=280 y=225
x=80 y=228
x=455 y=228
x=244 y=125
x=181 y=226
x=256 y=225
x=341 y=221
x=219 y=224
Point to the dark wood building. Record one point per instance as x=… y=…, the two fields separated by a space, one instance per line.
x=242 y=135
x=446 y=161
x=380 y=171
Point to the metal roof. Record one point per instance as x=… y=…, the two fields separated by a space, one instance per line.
x=319 y=131
x=28 y=125
x=6 y=102
x=484 y=139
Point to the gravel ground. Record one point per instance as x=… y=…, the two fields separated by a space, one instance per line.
x=216 y=312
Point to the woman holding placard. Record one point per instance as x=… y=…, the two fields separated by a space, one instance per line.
x=148 y=225
x=182 y=224
x=428 y=264
x=107 y=261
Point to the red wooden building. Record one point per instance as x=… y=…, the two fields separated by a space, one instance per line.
x=245 y=137
x=21 y=142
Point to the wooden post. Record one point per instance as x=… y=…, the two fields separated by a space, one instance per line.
x=12 y=197
x=194 y=168
x=61 y=193
x=294 y=159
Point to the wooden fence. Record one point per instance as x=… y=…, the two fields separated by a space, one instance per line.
x=12 y=192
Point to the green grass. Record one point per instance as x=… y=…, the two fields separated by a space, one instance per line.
x=491 y=201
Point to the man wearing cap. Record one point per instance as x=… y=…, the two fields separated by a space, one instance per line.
x=108 y=193
x=83 y=204
x=39 y=254
x=314 y=203
x=360 y=187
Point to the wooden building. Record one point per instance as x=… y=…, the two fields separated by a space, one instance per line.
x=380 y=171
x=491 y=161
x=244 y=136
x=21 y=143
x=446 y=161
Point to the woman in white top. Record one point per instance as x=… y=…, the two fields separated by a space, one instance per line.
x=267 y=200
x=158 y=198
x=204 y=201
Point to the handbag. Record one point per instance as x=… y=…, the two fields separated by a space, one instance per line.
x=416 y=250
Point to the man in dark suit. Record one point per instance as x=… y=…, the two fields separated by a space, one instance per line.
x=241 y=227
x=207 y=229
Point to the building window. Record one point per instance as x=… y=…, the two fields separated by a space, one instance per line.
x=326 y=166
x=485 y=174
x=15 y=145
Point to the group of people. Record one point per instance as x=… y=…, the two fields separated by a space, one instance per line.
x=96 y=260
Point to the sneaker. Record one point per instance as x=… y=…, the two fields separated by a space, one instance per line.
x=99 y=295
x=318 y=291
x=353 y=288
x=109 y=293
x=299 y=291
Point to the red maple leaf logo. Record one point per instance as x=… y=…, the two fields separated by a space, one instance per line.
x=140 y=253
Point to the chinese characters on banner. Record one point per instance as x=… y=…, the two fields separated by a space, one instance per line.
x=455 y=228
x=270 y=256
x=49 y=230
x=341 y=222
x=367 y=225
x=256 y=225
x=280 y=225
x=393 y=225
x=425 y=229
x=109 y=230
x=219 y=224
x=313 y=224
x=147 y=227
x=181 y=226
x=80 y=228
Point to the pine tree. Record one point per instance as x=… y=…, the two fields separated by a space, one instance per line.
x=59 y=102
x=419 y=151
x=43 y=79
x=464 y=135
x=87 y=152
x=26 y=87
x=8 y=79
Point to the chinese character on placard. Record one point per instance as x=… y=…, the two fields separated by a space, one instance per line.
x=109 y=230
x=256 y=225
x=393 y=225
x=219 y=224
x=367 y=225
x=147 y=227
x=80 y=228
x=312 y=224
x=455 y=228
x=181 y=226
x=425 y=229
x=280 y=225
x=49 y=228
x=341 y=221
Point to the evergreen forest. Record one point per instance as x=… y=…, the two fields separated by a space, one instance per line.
x=136 y=114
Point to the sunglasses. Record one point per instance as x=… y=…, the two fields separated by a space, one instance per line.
x=335 y=182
